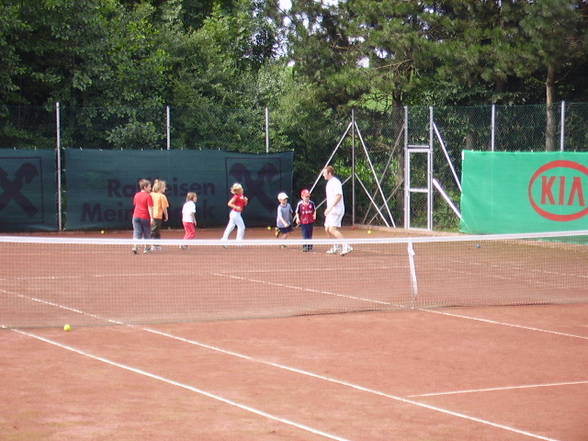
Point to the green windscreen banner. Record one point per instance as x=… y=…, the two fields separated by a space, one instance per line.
x=101 y=184
x=524 y=192
x=28 y=190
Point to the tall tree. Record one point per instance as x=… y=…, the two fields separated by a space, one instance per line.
x=11 y=67
x=322 y=50
x=554 y=39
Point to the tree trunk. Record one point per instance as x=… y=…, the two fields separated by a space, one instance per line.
x=550 y=121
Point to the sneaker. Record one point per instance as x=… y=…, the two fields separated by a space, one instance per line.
x=146 y=250
x=346 y=250
x=333 y=250
x=134 y=250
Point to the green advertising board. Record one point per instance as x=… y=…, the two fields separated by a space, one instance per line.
x=28 y=190
x=524 y=192
x=101 y=184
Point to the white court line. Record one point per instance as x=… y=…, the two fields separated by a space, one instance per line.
x=495 y=389
x=299 y=288
x=184 y=386
x=191 y=273
x=512 y=278
x=381 y=302
x=520 y=269
x=307 y=373
x=321 y=269
x=494 y=322
x=348 y=384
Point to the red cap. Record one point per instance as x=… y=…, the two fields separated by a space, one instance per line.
x=304 y=193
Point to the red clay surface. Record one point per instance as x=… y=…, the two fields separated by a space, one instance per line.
x=449 y=374
x=345 y=375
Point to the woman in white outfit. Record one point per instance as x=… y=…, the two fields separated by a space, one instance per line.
x=237 y=203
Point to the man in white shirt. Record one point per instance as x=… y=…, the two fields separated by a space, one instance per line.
x=334 y=211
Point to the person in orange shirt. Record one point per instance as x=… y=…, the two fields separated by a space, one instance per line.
x=160 y=206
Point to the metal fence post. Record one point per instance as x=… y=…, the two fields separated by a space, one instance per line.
x=406 y=172
x=430 y=172
x=562 y=126
x=58 y=152
x=266 y=130
x=167 y=126
x=352 y=166
x=492 y=126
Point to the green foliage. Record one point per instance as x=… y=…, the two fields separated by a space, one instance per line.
x=135 y=135
x=115 y=64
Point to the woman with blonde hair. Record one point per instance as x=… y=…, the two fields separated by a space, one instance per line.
x=237 y=203
x=160 y=206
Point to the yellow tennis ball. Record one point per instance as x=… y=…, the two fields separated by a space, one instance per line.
x=67 y=327
x=269 y=228
x=369 y=231
x=101 y=231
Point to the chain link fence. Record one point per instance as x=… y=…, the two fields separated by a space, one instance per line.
x=370 y=153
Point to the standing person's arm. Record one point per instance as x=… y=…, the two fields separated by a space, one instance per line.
x=335 y=202
x=150 y=208
x=165 y=205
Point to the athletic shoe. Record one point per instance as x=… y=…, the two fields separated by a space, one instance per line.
x=346 y=250
x=333 y=250
x=134 y=250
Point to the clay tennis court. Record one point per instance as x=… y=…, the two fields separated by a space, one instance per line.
x=275 y=344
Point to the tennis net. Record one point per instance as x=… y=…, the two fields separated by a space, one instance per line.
x=48 y=281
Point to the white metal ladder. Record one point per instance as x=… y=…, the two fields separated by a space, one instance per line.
x=409 y=189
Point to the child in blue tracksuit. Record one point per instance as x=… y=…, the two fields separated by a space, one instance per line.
x=284 y=217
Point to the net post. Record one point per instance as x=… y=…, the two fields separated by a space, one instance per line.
x=413 y=279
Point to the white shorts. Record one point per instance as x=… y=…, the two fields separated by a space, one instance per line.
x=334 y=218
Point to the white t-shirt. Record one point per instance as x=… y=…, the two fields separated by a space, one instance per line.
x=188 y=210
x=334 y=188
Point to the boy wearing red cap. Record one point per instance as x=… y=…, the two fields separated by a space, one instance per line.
x=306 y=216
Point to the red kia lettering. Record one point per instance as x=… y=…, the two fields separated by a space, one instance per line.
x=570 y=191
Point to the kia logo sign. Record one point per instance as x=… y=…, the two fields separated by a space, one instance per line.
x=556 y=191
